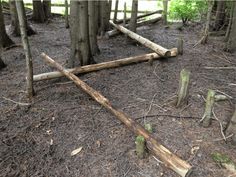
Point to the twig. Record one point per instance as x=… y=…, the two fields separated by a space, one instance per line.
x=230 y=97
x=221 y=126
x=19 y=103
x=221 y=68
x=227 y=137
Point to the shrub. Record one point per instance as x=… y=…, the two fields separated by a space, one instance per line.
x=186 y=10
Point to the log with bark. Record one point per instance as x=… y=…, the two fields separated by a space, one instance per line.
x=147 y=43
x=140 y=16
x=139 y=24
x=104 y=65
x=171 y=160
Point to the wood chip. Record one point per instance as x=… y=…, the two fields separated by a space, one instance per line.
x=76 y=151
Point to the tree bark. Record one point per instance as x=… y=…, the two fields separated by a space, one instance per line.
x=230 y=21
x=147 y=43
x=29 y=63
x=92 y=28
x=5 y=40
x=220 y=15
x=231 y=43
x=83 y=42
x=38 y=11
x=134 y=14
x=165 y=9
x=168 y=158
x=116 y=11
x=104 y=65
x=104 y=16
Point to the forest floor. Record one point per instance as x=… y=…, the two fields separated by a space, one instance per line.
x=37 y=140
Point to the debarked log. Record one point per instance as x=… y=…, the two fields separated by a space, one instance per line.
x=104 y=65
x=147 y=43
x=171 y=160
x=141 y=23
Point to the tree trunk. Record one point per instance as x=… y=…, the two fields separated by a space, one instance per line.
x=47 y=9
x=165 y=9
x=38 y=11
x=147 y=43
x=29 y=63
x=125 y=14
x=83 y=42
x=231 y=43
x=15 y=28
x=170 y=160
x=220 y=15
x=116 y=11
x=230 y=21
x=104 y=65
x=5 y=41
x=231 y=129
x=207 y=26
x=74 y=25
x=134 y=14
x=92 y=27
x=104 y=16
x=66 y=14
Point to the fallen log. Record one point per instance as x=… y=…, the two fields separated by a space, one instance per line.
x=104 y=65
x=172 y=161
x=141 y=23
x=147 y=43
x=140 y=16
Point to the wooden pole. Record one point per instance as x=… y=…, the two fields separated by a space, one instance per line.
x=141 y=23
x=147 y=43
x=24 y=37
x=104 y=65
x=168 y=158
x=140 y=16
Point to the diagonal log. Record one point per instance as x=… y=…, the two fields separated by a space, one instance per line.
x=104 y=65
x=168 y=158
x=147 y=43
x=141 y=16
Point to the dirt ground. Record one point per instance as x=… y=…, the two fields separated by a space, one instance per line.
x=37 y=140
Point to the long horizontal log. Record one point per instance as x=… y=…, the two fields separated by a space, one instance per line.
x=147 y=43
x=142 y=23
x=141 y=16
x=168 y=158
x=104 y=65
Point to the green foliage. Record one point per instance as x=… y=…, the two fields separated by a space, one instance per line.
x=187 y=10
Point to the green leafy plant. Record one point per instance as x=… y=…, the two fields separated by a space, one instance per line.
x=186 y=10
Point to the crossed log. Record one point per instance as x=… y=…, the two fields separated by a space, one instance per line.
x=168 y=158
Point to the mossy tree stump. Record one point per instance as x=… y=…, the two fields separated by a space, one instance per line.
x=206 y=119
x=183 y=87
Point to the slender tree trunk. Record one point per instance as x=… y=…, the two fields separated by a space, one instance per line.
x=84 y=44
x=38 y=11
x=92 y=27
x=29 y=63
x=165 y=9
x=134 y=14
x=116 y=11
x=207 y=26
x=125 y=14
x=47 y=9
x=230 y=21
x=220 y=15
x=231 y=43
x=5 y=41
x=105 y=10
x=66 y=14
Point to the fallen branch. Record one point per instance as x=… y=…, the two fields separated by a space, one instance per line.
x=140 y=16
x=104 y=65
x=18 y=103
x=221 y=68
x=172 y=161
x=147 y=43
x=139 y=24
